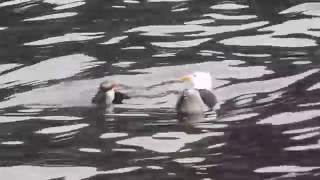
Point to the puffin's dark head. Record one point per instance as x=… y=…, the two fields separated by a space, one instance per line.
x=108 y=94
x=105 y=94
x=108 y=85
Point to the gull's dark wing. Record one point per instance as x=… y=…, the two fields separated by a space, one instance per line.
x=208 y=98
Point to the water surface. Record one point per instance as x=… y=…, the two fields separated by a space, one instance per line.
x=263 y=55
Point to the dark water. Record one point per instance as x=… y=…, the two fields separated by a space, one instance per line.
x=263 y=55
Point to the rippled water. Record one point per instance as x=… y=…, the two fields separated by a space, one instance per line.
x=263 y=55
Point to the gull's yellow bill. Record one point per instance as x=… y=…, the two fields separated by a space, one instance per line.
x=186 y=78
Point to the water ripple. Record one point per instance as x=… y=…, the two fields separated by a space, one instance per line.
x=166 y=145
x=67 y=38
x=228 y=6
x=285 y=169
x=61 y=129
x=52 y=16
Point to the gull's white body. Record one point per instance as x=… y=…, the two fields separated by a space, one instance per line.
x=201 y=80
x=199 y=98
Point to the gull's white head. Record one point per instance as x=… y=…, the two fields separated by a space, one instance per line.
x=200 y=80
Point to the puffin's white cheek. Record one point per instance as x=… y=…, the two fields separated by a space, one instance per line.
x=110 y=94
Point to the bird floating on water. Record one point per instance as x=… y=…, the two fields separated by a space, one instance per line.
x=197 y=100
x=108 y=94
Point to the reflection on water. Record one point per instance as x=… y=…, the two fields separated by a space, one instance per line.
x=262 y=54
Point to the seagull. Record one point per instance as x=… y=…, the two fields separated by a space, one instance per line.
x=107 y=94
x=199 y=98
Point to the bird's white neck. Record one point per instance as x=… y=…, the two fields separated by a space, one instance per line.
x=110 y=95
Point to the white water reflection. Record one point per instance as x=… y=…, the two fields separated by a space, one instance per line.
x=122 y=170
x=214 y=30
x=115 y=40
x=69 y=37
x=270 y=97
x=12 y=2
x=155 y=167
x=20 y=114
x=301 y=62
x=134 y=48
x=314 y=87
x=230 y=17
x=200 y=21
x=228 y=6
x=123 y=64
x=41 y=173
x=238 y=117
x=211 y=126
x=164 y=55
x=284 y=169
x=6 y=67
x=51 y=69
x=124 y=150
x=303 y=147
x=303 y=26
x=291 y=27
x=15 y=117
x=12 y=142
x=131 y=2
x=119 y=7
x=235 y=90
x=52 y=16
x=60 y=118
x=71 y=5
x=189 y=160
x=90 y=150
x=311 y=8
x=62 y=129
x=167 y=0
x=112 y=135
x=30 y=110
x=216 y=146
x=10 y=119
x=198 y=30
x=303 y=130
x=244 y=101
x=268 y=40
x=166 y=145
x=212 y=52
x=181 y=44
x=290 y=117
x=251 y=55
x=67 y=173
x=165 y=30
x=305 y=136
x=58 y=2
x=179 y=9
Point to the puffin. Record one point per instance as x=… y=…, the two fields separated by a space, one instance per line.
x=198 y=99
x=108 y=94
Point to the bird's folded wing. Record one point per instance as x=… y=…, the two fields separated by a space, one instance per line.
x=208 y=98
x=99 y=98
